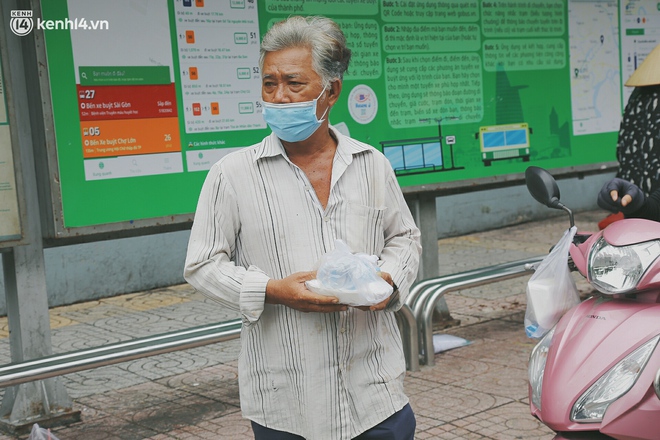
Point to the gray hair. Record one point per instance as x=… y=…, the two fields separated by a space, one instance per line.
x=330 y=55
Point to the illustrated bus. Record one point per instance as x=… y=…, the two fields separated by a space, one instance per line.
x=498 y=142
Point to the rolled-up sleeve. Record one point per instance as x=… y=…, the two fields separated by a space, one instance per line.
x=401 y=253
x=210 y=266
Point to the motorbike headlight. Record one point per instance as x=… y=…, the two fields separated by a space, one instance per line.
x=537 y=366
x=618 y=269
x=591 y=406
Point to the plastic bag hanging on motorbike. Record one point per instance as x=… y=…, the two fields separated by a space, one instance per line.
x=352 y=278
x=551 y=290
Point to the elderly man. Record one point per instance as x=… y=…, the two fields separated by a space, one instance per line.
x=309 y=366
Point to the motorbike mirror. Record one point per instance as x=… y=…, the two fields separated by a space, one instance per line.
x=543 y=187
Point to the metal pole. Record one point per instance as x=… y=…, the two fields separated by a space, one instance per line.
x=425 y=323
x=420 y=293
x=423 y=208
x=409 y=337
x=24 y=266
x=65 y=363
x=439 y=121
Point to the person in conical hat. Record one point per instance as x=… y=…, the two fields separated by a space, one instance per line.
x=638 y=145
x=648 y=73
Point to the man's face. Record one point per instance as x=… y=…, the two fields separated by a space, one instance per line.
x=288 y=77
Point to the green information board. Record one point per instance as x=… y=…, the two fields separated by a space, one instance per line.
x=146 y=96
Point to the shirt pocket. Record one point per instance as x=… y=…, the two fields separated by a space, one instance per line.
x=364 y=229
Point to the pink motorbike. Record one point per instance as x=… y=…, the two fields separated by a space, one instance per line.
x=596 y=374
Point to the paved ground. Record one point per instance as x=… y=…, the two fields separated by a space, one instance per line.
x=474 y=392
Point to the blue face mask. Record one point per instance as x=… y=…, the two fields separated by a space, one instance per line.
x=293 y=122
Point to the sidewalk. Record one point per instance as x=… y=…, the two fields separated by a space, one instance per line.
x=474 y=392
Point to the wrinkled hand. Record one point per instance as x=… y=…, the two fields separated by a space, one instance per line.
x=621 y=195
x=381 y=305
x=292 y=292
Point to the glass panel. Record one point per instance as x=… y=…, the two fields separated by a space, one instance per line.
x=516 y=137
x=395 y=156
x=414 y=156
x=432 y=155
x=495 y=139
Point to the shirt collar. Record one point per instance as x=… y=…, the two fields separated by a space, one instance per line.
x=269 y=147
x=346 y=147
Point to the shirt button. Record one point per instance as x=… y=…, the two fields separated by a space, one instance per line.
x=326 y=219
x=343 y=330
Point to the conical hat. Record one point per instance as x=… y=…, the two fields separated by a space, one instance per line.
x=648 y=73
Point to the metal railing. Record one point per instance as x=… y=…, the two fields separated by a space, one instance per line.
x=425 y=295
x=409 y=336
x=87 y=359
x=415 y=320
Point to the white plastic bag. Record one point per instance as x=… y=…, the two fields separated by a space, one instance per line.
x=352 y=278
x=443 y=342
x=39 y=433
x=551 y=291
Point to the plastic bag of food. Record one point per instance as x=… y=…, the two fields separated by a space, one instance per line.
x=352 y=278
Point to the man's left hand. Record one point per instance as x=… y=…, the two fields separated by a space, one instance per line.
x=381 y=305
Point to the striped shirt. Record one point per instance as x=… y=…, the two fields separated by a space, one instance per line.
x=319 y=375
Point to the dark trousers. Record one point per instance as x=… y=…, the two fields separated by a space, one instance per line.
x=399 y=426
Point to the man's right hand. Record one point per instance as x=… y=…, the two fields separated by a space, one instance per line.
x=621 y=195
x=292 y=292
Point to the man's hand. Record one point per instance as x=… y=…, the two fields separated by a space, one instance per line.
x=621 y=195
x=292 y=292
x=381 y=305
